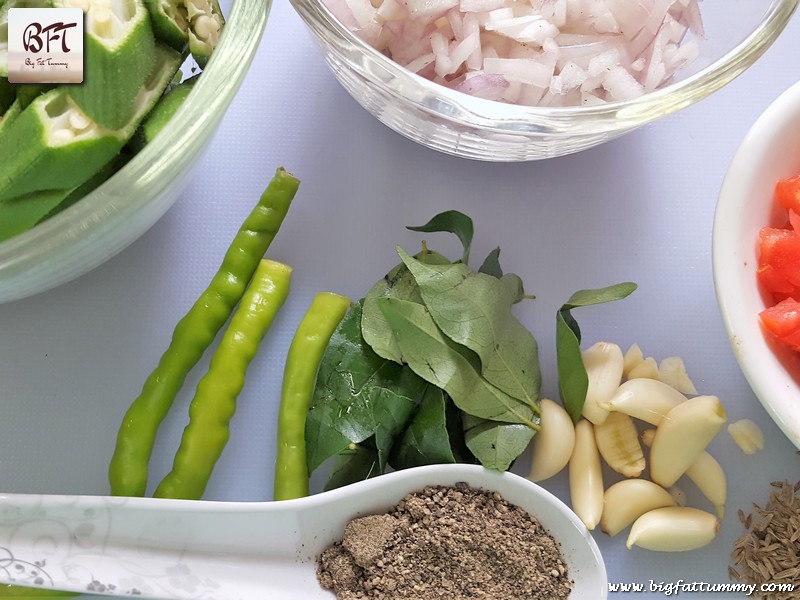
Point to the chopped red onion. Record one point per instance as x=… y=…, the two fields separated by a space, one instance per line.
x=533 y=52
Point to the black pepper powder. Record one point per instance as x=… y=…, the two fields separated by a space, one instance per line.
x=453 y=543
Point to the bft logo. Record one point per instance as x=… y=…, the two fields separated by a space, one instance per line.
x=45 y=45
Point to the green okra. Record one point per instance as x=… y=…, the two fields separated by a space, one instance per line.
x=170 y=21
x=25 y=95
x=205 y=27
x=53 y=145
x=88 y=186
x=8 y=94
x=161 y=114
x=20 y=214
x=119 y=54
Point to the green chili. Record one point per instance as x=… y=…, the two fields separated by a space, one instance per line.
x=299 y=377
x=193 y=334
x=214 y=401
x=13 y=591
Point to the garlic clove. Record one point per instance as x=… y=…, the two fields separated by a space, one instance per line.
x=552 y=446
x=645 y=399
x=629 y=499
x=705 y=472
x=682 y=435
x=647 y=369
x=673 y=373
x=585 y=476
x=747 y=435
x=619 y=445
x=603 y=362
x=673 y=529
x=633 y=356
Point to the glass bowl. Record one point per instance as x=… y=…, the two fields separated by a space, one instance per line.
x=738 y=32
x=115 y=214
x=770 y=151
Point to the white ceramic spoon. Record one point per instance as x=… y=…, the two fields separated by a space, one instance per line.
x=247 y=551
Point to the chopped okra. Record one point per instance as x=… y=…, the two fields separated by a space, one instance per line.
x=54 y=145
x=58 y=143
x=119 y=52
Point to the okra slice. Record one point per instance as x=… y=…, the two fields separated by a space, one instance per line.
x=8 y=94
x=118 y=55
x=54 y=145
x=4 y=8
x=20 y=214
x=205 y=27
x=170 y=22
x=25 y=95
x=89 y=186
x=161 y=114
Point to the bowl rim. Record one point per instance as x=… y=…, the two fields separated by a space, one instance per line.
x=734 y=264
x=115 y=200
x=504 y=118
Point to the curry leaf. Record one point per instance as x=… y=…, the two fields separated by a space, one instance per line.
x=427 y=439
x=572 y=379
x=445 y=364
x=358 y=395
x=398 y=283
x=452 y=221
x=354 y=464
x=474 y=310
x=491 y=264
x=496 y=445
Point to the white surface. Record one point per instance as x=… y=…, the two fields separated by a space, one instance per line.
x=770 y=151
x=229 y=551
x=639 y=208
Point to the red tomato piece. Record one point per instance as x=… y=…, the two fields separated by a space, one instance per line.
x=779 y=261
x=787 y=193
x=783 y=322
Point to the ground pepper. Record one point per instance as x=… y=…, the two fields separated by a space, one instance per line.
x=453 y=543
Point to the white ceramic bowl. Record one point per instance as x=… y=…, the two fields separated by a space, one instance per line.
x=738 y=32
x=770 y=151
x=242 y=551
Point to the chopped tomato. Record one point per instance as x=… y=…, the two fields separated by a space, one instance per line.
x=779 y=261
x=787 y=193
x=783 y=321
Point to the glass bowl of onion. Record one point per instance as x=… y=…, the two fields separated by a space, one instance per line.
x=510 y=80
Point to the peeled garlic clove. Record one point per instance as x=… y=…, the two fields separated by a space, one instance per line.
x=585 y=476
x=552 y=446
x=619 y=446
x=673 y=529
x=682 y=435
x=708 y=476
x=603 y=362
x=705 y=472
x=673 y=373
x=629 y=499
x=632 y=358
x=747 y=436
x=645 y=399
x=647 y=369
